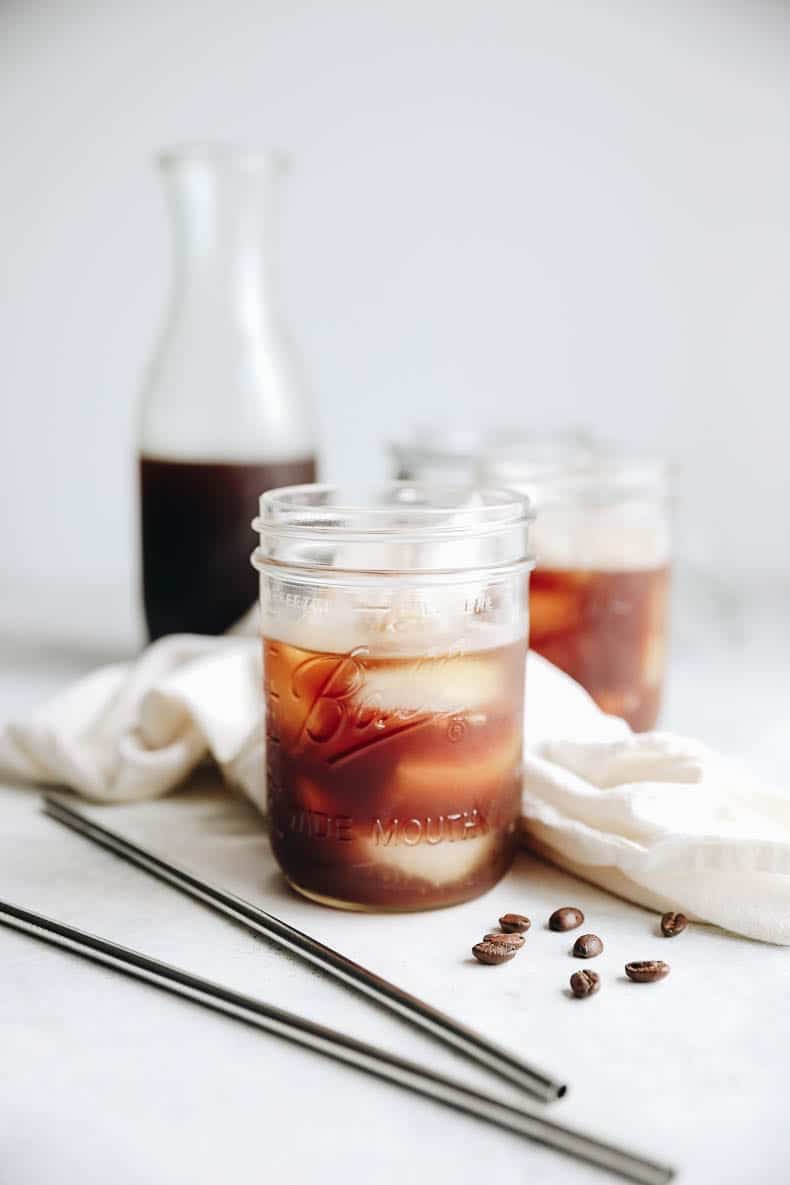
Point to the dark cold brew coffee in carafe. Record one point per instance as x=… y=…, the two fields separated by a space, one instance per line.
x=197 y=576
x=224 y=415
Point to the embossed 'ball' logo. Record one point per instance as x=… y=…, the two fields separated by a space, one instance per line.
x=339 y=681
x=339 y=710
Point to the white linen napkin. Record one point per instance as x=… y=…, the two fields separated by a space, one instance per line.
x=655 y=818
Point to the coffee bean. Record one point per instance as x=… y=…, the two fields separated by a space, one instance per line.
x=567 y=918
x=673 y=923
x=584 y=983
x=511 y=941
x=493 y=952
x=514 y=923
x=647 y=971
x=587 y=946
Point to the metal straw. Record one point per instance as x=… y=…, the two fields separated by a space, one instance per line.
x=524 y=1121
x=464 y=1040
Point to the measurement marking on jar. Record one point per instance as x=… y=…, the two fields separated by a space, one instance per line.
x=483 y=603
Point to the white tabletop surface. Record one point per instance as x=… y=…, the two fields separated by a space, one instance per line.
x=108 y=1080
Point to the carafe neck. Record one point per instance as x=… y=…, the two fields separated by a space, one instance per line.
x=221 y=211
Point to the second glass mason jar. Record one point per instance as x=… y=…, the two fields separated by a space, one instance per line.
x=599 y=593
x=395 y=631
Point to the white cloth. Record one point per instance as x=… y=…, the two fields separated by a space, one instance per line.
x=656 y=818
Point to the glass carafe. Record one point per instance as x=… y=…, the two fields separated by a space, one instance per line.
x=224 y=412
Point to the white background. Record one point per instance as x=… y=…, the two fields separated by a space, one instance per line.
x=560 y=212
x=551 y=213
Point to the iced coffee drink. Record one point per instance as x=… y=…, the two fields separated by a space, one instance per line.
x=607 y=630
x=599 y=592
x=395 y=636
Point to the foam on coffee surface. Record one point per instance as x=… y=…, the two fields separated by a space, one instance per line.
x=390 y=621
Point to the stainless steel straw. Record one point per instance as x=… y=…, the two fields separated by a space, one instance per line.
x=464 y=1040
x=524 y=1120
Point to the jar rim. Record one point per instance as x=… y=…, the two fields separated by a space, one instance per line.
x=597 y=480
x=397 y=526
x=423 y=507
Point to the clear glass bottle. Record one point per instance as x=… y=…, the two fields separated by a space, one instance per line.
x=394 y=641
x=224 y=414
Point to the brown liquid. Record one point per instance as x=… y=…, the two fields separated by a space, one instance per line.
x=607 y=630
x=197 y=540
x=394 y=783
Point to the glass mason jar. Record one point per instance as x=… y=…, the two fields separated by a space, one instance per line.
x=224 y=413
x=395 y=631
x=599 y=592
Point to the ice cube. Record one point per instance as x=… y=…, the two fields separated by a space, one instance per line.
x=553 y=610
x=455 y=684
x=309 y=796
x=417 y=777
x=438 y=864
x=653 y=660
x=616 y=703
